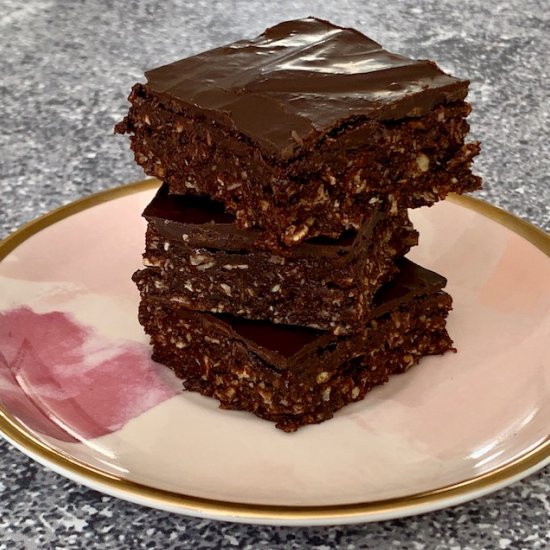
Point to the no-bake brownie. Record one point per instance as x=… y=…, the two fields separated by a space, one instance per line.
x=295 y=375
x=304 y=129
x=197 y=257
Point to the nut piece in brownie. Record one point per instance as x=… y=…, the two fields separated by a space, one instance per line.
x=198 y=258
x=303 y=129
x=294 y=375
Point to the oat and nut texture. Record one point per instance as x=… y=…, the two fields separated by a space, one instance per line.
x=293 y=387
x=216 y=267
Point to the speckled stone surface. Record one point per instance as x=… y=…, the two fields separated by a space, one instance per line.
x=66 y=70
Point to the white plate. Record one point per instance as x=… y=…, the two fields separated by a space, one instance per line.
x=79 y=393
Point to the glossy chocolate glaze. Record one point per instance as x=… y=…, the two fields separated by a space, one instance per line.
x=206 y=224
x=284 y=339
x=187 y=209
x=301 y=79
x=411 y=282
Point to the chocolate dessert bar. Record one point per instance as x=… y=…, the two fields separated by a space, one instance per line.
x=294 y=375
x=198 y=258
x=303 y=130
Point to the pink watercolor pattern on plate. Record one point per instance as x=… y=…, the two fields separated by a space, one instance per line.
x=62 y=379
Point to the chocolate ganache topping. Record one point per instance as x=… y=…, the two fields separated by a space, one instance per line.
x=412 y=281
x=300 y=80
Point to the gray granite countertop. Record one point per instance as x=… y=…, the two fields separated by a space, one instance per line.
x=66 y=69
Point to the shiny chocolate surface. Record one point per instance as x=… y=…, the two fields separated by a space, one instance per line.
x=301 y=79
x=411 y=282
x=204 y=222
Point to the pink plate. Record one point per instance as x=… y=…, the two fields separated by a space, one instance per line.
x=79 y=393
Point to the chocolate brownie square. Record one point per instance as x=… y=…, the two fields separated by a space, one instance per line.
x=303 y=130
x=295 y=375
x=197 y=257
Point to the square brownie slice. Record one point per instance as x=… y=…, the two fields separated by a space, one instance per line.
x=295 y=375
x=197 y=257
x=302 y=130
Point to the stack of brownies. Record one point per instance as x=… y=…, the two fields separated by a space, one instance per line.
x=275 y=276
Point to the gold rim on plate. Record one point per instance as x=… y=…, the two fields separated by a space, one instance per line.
x=17 y=434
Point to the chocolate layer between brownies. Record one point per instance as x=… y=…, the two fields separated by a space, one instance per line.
x=198 y=258
x=304 y=129
x=295 y=375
